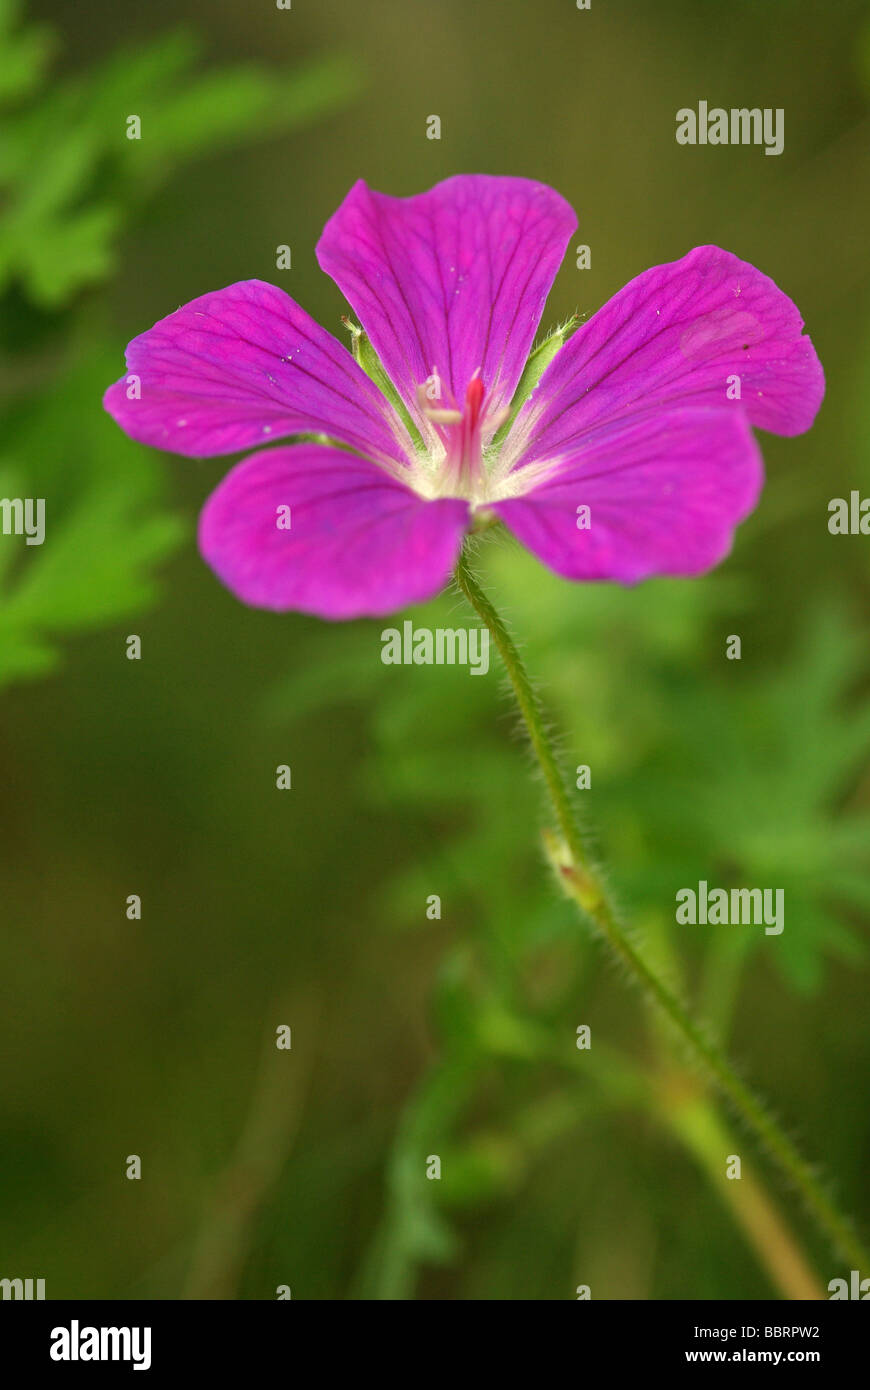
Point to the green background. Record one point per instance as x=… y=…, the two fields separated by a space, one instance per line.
x=414 y=1037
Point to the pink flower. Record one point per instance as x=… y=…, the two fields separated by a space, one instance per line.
x=637 y=417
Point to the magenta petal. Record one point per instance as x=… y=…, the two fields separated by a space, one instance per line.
x=664 y=495
x=453 y=280
x=244 y=365
x=674 y=336
x=360 y=543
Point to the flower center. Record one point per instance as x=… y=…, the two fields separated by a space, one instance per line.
x=463 y=433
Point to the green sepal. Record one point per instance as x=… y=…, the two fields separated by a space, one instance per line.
x=538 y=362
x=366 y=357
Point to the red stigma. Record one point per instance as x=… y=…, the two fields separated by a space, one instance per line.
x=474 y=400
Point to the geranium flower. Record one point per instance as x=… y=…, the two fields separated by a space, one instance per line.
x=643 y=415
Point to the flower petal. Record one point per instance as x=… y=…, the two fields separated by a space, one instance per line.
x=453 y=280
x=674 y=336
x=360 y=543
x=244 y=365
x=664 y=496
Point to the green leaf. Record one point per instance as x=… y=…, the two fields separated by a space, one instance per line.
x=105 y=526
x=71 y=179
x=24 y=56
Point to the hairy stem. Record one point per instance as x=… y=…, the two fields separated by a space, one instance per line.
x=583 y=884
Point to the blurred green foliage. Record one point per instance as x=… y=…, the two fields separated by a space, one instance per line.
x=740 y=778
x=70 y=181
x=108 y=525
x=71 y=177
x=412 y=1037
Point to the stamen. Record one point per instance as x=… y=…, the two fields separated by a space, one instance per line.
x=461 y=431
x=442 y=417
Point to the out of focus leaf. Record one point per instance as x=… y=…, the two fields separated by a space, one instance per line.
x=71 y=178
x=105 y=525
x=24 y=54
x=747 y=792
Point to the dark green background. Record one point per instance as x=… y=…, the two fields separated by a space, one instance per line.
x=307 y=907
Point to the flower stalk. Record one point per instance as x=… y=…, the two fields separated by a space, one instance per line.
x=582 y=883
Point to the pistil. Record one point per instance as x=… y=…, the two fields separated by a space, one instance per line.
x=461 y=472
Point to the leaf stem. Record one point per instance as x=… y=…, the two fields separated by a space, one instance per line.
x=582 y=882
